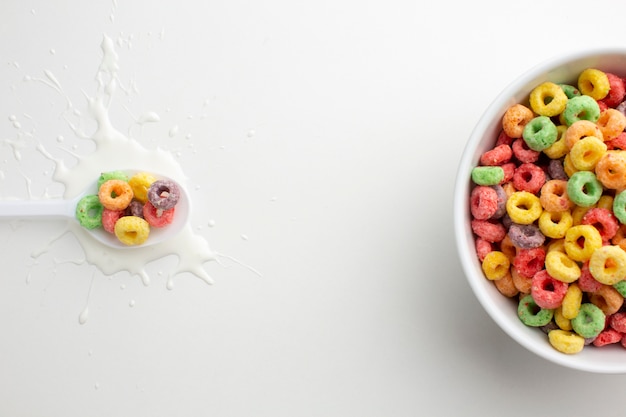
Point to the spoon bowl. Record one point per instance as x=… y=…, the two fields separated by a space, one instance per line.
x=66 y=208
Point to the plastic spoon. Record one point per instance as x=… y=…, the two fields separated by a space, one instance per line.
x=61 y=208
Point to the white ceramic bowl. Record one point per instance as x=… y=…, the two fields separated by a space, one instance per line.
x=562 y=69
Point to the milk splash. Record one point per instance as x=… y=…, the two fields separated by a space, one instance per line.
x=111 y=146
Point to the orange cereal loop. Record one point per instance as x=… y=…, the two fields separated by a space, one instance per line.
x=508 y=248
x=611 y=123
x=515 y=119
x=522 y=283
x=607 y=299
x=554 y=196
x=581 y=129
x=115 y=194
x=506 y=286
x=611 y=169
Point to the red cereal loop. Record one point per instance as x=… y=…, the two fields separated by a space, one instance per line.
x=547 y=291
x=617 y=91
x=499 y=155
x=483 y=202
x=156 y=217
x=618 y=322
x=528 y=262
x=504 y=139
x=523 y=153
x=618 y=143
x=488 y=230
x=483 y=248
x=586 y=281
x=603 y=220
x=607 y=337
x=509 y=171
x=109 y=218
x=529 y=177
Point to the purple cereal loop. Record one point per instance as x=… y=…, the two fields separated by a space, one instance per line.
x=502 y=197
x=163 y=194
x=135 y=208
x=556 y=171
x=526 y=236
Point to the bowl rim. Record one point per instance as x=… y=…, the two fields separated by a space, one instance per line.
x=468 y=259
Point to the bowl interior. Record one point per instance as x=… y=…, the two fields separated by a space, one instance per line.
x=610 y=359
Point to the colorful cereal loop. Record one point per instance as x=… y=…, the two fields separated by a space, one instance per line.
x=523 y=207
x=585 y=234
x=572 y=301
x=548 y=99
x=495 y=265
x=590 y=321
x=586 y=153
x=562 y=267
x=531 y=314
x=607 y=264
x=566 y=342
x=584 y=189
x=594 y=83
x=515 y=119
x=607 y=299
x=555 y=224
x=611 y=122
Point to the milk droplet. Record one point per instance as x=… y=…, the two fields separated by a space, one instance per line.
x=131 y=303
x=149 y=117
x=245 y=237
x=211 y=223
x=60 y=138
x=12 y=118
x=251 y=133
x=84 y=315
x=52 y=51
x=173 y=131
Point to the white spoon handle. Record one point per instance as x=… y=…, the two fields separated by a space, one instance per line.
x=16 y=209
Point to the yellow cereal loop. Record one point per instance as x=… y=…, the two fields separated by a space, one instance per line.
x=578 y=213
x=568 y=166
x=565 y=341
x=555 y=224
x=559 y=148
x=132 y=230
x=556 y=245
x=495 y=265
x=570 y=306
x=561 y=267
x=562 y=322
x=594 y=83
x=586 y=153
x=523 y=207
x=140 y=183
x=607 y=264
x=605 y=202
x=548 y=99
x=582 y=241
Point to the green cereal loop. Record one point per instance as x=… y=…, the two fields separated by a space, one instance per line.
x=581 y=108
x=584 y=189
x=487 y=175
x=89 y=211
x=590 y=320
x=531 y=314
x=540 y=133
x=569 y=90
x=621 y=287
x=619 y=207
x=112 y=175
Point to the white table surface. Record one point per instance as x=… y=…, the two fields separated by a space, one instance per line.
x=323 y=138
